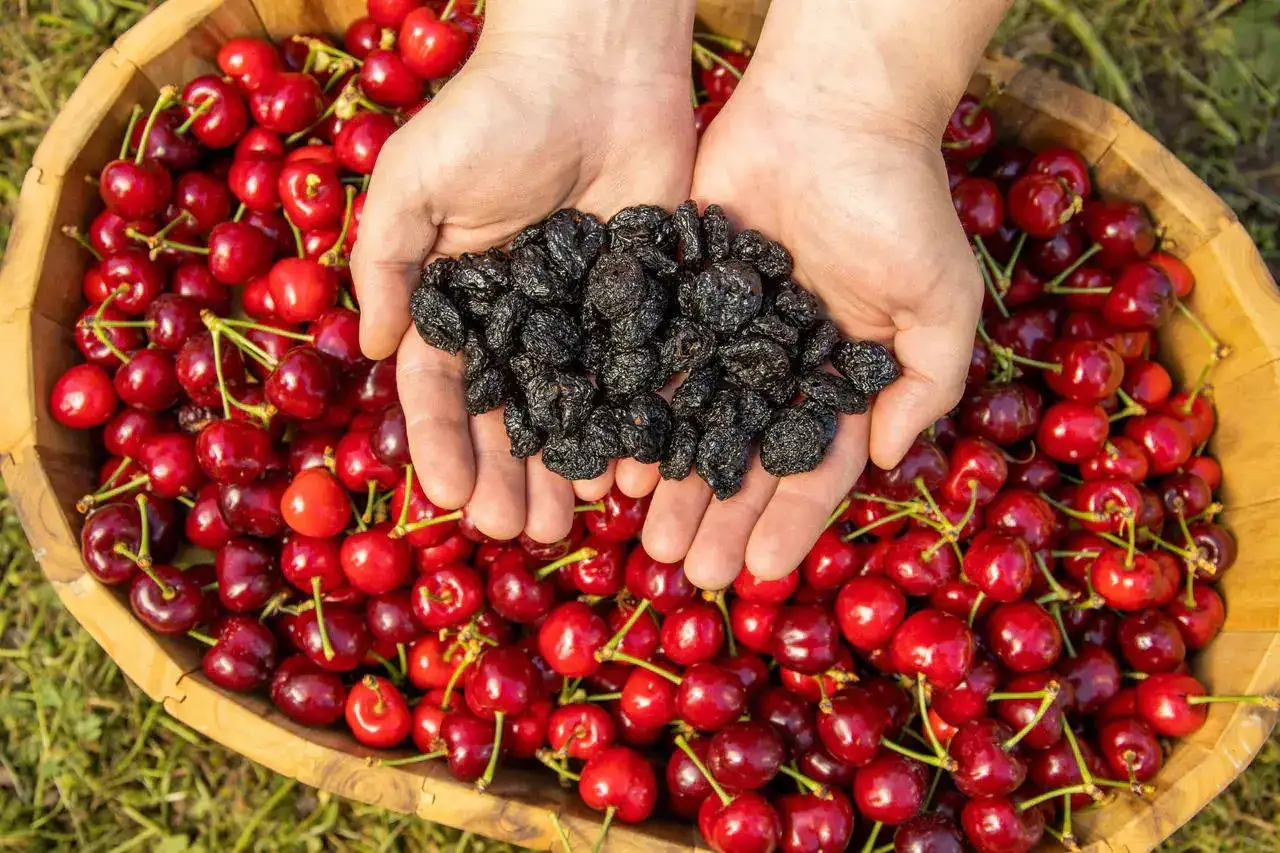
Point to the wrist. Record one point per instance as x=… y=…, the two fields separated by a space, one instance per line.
x=631 y=42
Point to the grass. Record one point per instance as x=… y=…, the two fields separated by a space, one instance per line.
x=87 y=762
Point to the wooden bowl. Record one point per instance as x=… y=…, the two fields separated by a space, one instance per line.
x=47 y=466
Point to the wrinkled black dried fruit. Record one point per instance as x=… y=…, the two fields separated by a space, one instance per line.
x=758 y=364
x=796 y=305
x=595 y=346
x=528 y=235
x=770 y=258
x=551 y=336
x=688 y=226
x=716 y=232
x=475 y=357
x=682 y=450
x=524 y=438
x=795 y=441
x=616 y=285
x=602 y=434
x=656 y=261
x=628 y=372
x=559 y=401
x=646 y=424
x=753 y=412
x=834 y=392
x=723 y=457
x=439 y=273
x=567 y=456
x=502 y=326
x=774 y=328
x=695 y=392
x=533 y=274
x=641 y=224
x=687 y=345
x=641 y=325
x=594 y=237
x=867 y=364
x=562 y=233
x=818 y=342
x=488 y=391
x=687 y=294
x=484 y=277
x=727 y=296
x=524 y=367
x=437 y=318
x=748 y=411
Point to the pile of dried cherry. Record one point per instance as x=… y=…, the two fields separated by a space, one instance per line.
x=986 y=639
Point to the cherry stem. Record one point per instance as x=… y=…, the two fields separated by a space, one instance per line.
x=404 y=505
x=97 y=323
x=468 y=658
x=717 y=598
x=370 y=499
x=706 y=58
x=1069 y=791
x=888 y=519
x=999 y=275
x=297 y=234
x=1135 y=787
x=318 y=599
x=623 y=657
x=484 y=781
x=202 y=108
x=1081 y=765
x=216 y=324
x=1059 y=591
x=406 y=529
x=76 y=234
x=736 y=45
x=1132 y=408
x=1054 y=285
x=125 y=462
x=837 y=512
x=1070 y=512
x=870 y=846
x=272 y=330
x=203 y=638
x=1220 y=350
x=946 y=763
x=412 y=759
x=702 y=768
x=609 y=649
x=1254 y=699
x=603 y=697
x=1050 y=693
x=392 y=672
x=608 y=813
x=598 y=506
x=333 y=256
x=568 y=689
x=924 y=720
x=85 y=503
x=1055 y=609
x=977 y=605
x=992 y=289
x=144 y=537
x=577 y=556
x=810 y=785
x=447 y=12
x=1005 y=352
x=314 y=45
x=548 y=758
x=216 y=337
x=167 y=94
x=134 y=115
x=165 y=589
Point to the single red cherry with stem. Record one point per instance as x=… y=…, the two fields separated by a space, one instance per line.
x=166 y=599
x=448 y=596
x=1177 y=705
x=709 y=697
x=891 y=788
x=1121 y=229
x=935 y=645
x=1130 y=748
x=248 y=575
x=746 y=755
x=1023 y=636
x=620 y=783
x=377 y=713
x=242 y=657
x=998 y=825
x=432 y=48
x=83 y=397
x=581 y=731
x=307 y=694
x=316 y=505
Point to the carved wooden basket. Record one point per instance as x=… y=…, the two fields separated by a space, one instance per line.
x=47 y=466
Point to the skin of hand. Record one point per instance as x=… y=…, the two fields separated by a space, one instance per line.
x=856 y=188
x=572 y=104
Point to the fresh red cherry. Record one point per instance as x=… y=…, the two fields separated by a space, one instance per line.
x=1179 y=273
x=431 y=664
x=984 y=767
x=924 y=461
x=704 y=114
x=869 y=611
x=830 y=562
x=1029 y=332
x=432 y=48
x=135 y=278
x=582 y=731
x=135 y=190
x=254 y=509
x=1093 y=676
x=377 y=713
x=336 y=334
x=752 y=623
x=664 y=585
x=746 y=755
x=248 y=575
x=1125 y=584
x=687 y=786
x=360 y=140
x=1200 y=619
x=720 y=80
x=244 y=655
x=386 y=80
x=312 y=195
x=83 y=397
x=1003 y=414
x=363 y=37
x=468 y=742
x=307 y=694
x=1147 y=382
x=806 y=638
x=448 y=596
x=1023 y=514
x=1141 y=297
x=692 y=633
x=233 y=451
x=1130 y=748
x=301 y=384
x=920 y=562
x=928 y=833
x=375 y=563
x=254 y=182
x=215 y=111
x=750 y=588
x=1121 y=458
x=891 y=788
x=502 y=682
x=194 y=281
x=980 y=206
x=968 y=701
x=390 y=617
x=813 y=823
x=999 y=565
x=1164 y=440
x=1023 y=636
x=1121 y=229
x=710 y=697
x=1040 y=204
x=620 y=783
x=974 y=465
x=250 y=62
x=346 y=631
x=391 y=13
x=238 y=251
x=167 y=600
x=1005 y=163
x=1090 y=371
x=935 y=645
x=648 y=699
x=743 y=823
x=1072 y=432
x=619 y=519
x=852 y=727
x=1045 y=726
x=1151 y=642
x=287 y=103
x=1195 y=414
x=570 y=638
x=970 y=132
x=316 y=505
x=997 y=825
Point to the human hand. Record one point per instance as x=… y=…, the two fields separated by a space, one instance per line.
x=860 y=197
x=578 y=105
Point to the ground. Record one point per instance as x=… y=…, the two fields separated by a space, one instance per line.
x=87 y=762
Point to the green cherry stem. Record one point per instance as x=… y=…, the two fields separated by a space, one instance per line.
x=166 y=97
x=318 y=600
x=720 y=792
x=567 y=560
x=134 y=115
x=1050 y=693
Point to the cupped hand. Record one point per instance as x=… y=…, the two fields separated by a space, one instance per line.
x=523 y=130
x=862 y=202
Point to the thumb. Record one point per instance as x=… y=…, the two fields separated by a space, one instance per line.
x=935 y=360
x=396 y=234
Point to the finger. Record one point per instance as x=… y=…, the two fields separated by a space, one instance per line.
x=720 y=547
x=590 y=491
x=429 y=383
x=549 y=513
x=935 y=360
x=636 y=479
x=396 y=233
x=798 y=512
x=497 y=505
x=674 y=514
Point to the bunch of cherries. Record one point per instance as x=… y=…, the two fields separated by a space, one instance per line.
x=986 y=639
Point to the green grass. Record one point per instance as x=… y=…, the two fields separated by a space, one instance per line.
x=87 y=762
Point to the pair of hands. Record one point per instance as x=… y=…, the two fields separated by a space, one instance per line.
x=860 y=199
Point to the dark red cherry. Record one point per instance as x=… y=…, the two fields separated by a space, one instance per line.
x=935 y=645
x=746 y=755
x=1141 y=297
x=288 y=103
x=664 y=584
x=307 y=694
x=1093 y=675
x=983 y=766
x=998 y=826
x=970 y=132
x=167 y=600
x=980 y=206
x=1130 y=748
x=215 y=110
x=135 y=190
x=806 y=638
x=1121 y=229
x=1023 y=636
x=891 y=789
x=710 y=697
x=1003 y=414
x=448 y=596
